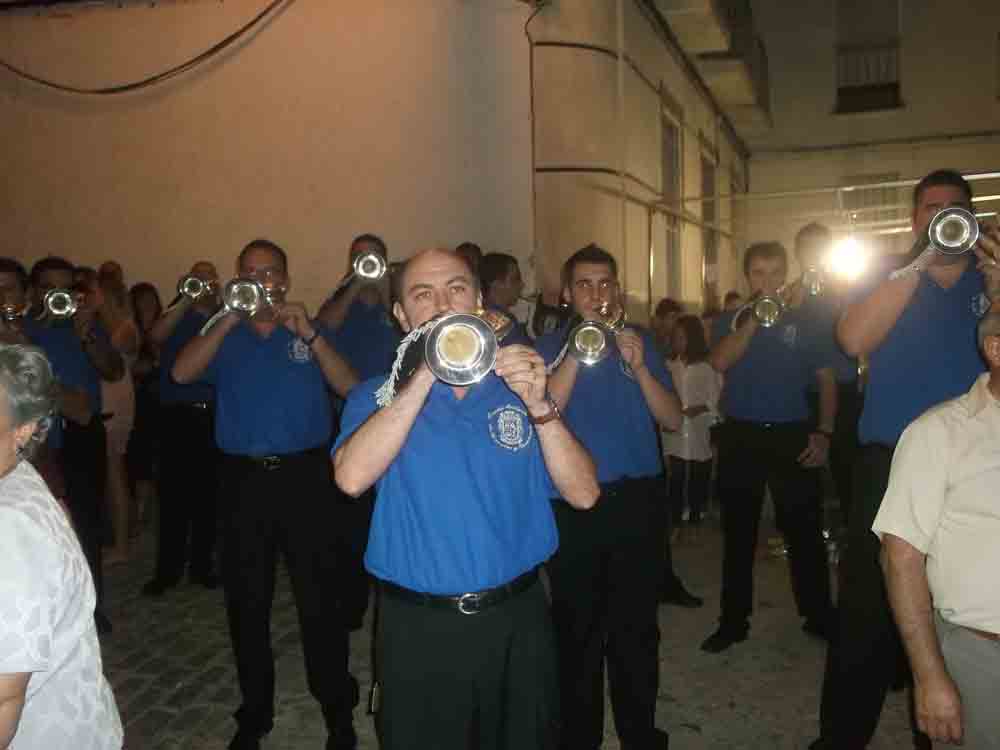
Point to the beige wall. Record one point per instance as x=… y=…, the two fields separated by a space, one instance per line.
x=409 y=118
x=581 y=122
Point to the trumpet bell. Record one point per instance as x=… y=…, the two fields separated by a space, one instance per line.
x=461 y=349
x=194 y=288
x=60 y=303
x=953 y=231
x=588 y=342
x=370 y=266
x=245 y=296
x=768 y=311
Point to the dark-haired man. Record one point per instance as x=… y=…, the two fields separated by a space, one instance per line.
x=500 y=276
x=768 y=441
x=463 y=520
x=606 y=574
x=272 y=423
x=81 y=355
x=366 y=335
x=918 y=330
x=187 y=425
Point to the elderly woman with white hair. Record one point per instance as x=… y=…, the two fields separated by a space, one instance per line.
x=53 y=693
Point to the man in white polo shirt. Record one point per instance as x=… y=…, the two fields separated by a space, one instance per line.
x=940 y=529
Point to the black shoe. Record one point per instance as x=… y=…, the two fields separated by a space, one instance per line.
x=657 y=740
x=817 y=627
x=680 y=596
x=723 y=638
x=157 y=587
x=104 y=626
x=208 y=580
x=342 y=734
x=245 y=740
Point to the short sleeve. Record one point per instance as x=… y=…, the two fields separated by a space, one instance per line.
x=25 y=603
x=918 y=482
x=217 y=364
x=359 y=406
x=703 y=387
x=655 y=362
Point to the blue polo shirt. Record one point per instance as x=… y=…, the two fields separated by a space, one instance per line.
x=172 y=392
x=367 y=339
x=466 y=504
x=929 y=356
x=770 y=381
x=608 y=413
x=270 y=395
x=70 y=364
x=821 y=315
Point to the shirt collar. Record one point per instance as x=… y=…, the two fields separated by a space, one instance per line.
x=980 y=397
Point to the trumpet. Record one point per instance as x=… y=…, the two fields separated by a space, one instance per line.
x=952 y=231
x=590 y=341
x=61 y=303
x=766 y=308
x=247 y=297
x=459 y=348
x=193 y=287
x=370 y=266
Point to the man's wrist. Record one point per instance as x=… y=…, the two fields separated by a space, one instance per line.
x=544 y=411
x=828 y=434
x=310 y=339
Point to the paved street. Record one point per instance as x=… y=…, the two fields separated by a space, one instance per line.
x=170 y=664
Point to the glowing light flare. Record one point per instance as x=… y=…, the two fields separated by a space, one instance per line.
x=848 y=259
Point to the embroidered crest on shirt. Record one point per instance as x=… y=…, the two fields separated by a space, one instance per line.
x=510 y=428
x=298 y=351
x=789 y=334
x=980 y=304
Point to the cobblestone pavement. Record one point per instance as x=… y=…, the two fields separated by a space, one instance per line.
x=171 y=666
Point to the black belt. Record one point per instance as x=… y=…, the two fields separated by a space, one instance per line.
x=468 y=604
x=622 y=486
x=766 y=425
x=276 y=461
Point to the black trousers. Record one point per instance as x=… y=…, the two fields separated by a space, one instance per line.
x=353 y=521
x=752 y=455
x=287 y=510
x=688 y=481
x=84 y=456
x=451 y=681
x=604 y=578
x=863 y=659
x=188 y=488
x=844 y=443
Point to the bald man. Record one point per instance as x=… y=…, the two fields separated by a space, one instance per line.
x=187 y=484
x=463 y=519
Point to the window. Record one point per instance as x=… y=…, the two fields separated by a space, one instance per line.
x=671 y=167
x=867 y=55
x=710 y=215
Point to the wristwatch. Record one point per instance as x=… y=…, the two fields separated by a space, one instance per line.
x=826 y=433
x=552 y=413
x=309 y=341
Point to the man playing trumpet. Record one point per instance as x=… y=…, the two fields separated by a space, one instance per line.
x=273 y=422
x=188 y=477
x=768 y=440
x=462 y=521
x=606 y=575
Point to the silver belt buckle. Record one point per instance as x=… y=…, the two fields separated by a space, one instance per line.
x=468 y=604
x=271 y=462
